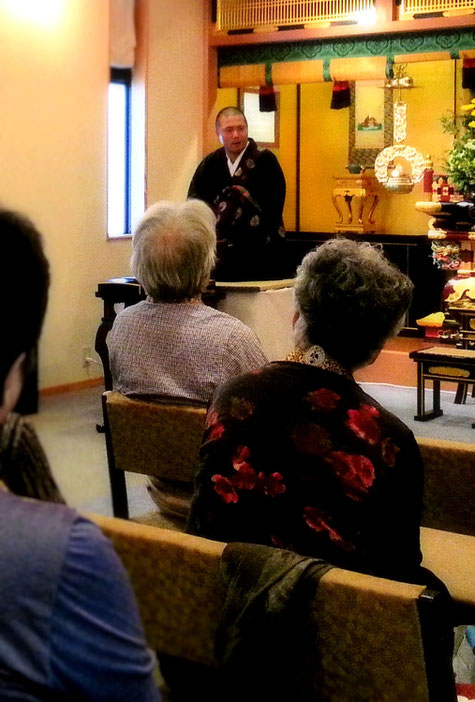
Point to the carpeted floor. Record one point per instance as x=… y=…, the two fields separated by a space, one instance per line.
x=454 y=425
x=66 y=424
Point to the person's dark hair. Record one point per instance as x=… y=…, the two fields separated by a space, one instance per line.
x=24 y=283
x=230 y=111
x=351 y=299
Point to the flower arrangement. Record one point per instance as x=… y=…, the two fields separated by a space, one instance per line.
x=460 y=163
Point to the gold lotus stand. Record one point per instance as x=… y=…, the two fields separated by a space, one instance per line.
x=355 y=197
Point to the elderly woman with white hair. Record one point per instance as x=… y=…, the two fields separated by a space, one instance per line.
x=172 y=344
x=297 y=455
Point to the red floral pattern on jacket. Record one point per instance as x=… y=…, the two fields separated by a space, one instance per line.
x=363 y=422
x=302 y=458
x=355 y=472
x=246 y=478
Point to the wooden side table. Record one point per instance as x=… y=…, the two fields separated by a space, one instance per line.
x=355 y=197
x=437 y=364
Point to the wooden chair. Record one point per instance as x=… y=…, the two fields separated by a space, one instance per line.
x=377 y=638
x=158 y=438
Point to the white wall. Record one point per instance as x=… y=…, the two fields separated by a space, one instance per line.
x=53 y=146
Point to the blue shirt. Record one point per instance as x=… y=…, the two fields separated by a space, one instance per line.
x=69 y=622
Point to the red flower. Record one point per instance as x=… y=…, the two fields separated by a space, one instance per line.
x=271 y=484
x=389 y=451
x=240 y=457
x=245 y=478
x=318 y=521
x=362 y=423
x=216 y=432
x=311 y=439
x=355 y=472
x=212 y=423
x=225 y=489
x=323 y=399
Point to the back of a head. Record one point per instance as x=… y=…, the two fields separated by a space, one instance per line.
x=351 y=298
x=24 y=286
x=174 y=250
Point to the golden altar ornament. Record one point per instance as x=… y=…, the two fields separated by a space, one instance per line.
x=397 y=180
x=355 y=197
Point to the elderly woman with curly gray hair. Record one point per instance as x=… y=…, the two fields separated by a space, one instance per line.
x=297 y=455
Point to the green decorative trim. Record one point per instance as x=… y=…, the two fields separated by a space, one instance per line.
x=452 y=40
x=326 y=70
x=269 y=73
x=390 y=67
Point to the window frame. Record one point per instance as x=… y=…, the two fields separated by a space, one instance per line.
x=123 y=76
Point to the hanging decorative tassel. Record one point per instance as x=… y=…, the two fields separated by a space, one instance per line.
x=341 y=96
x=267 y=101
x=468 y=74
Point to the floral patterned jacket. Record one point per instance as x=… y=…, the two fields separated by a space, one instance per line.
x=301 y=458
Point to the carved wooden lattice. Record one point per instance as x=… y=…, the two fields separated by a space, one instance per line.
x=409 y=8
x=250 y=14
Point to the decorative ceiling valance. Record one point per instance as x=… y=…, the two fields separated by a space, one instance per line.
x=363 y=68
x=292 y=72
x=349 y=58
x=242 y=76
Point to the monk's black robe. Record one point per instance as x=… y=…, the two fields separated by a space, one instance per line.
x=248 y=208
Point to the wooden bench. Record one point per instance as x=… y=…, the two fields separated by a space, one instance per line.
x=449 y=485
x=448 y=519
x=451 y=557
x=438 y=364
x=376 y=638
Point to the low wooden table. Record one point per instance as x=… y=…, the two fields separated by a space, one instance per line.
x=436 y=364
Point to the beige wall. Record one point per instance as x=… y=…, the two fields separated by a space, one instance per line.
x=175 y=106
x=53 y=147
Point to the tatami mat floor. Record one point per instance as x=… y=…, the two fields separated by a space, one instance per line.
x=66 y=424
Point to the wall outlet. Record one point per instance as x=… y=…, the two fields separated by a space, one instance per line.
x=86 y=357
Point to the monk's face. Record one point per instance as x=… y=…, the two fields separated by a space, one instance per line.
x=232 y=133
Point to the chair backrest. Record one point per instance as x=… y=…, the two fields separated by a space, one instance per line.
x=371 y=631
x=175 y=579
x=160 y=438
x=449 y=483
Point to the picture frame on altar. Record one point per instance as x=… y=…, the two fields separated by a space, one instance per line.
x=370 y=121
x=263 y=126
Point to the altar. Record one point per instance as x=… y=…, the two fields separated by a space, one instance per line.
x=267 y=307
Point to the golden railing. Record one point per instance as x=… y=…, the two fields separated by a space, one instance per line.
x=409 y=8
x=252 y=14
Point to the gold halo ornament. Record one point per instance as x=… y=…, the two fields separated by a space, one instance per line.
x=396 y=180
